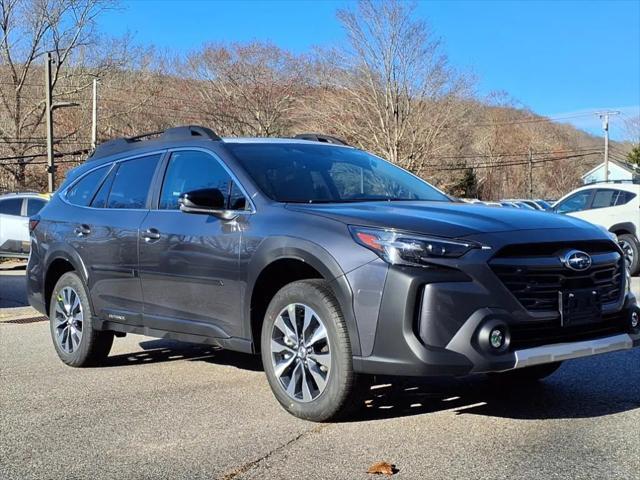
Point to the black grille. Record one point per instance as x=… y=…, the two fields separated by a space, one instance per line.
x=535 y=280
x=535 y=334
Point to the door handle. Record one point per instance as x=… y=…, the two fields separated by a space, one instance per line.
x=82 y=230
x=151 y=234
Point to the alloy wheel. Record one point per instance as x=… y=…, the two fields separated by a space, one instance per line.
x=68 y=318
x=300 y=352
x=628 y=251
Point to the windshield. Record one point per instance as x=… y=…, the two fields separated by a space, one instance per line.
x=299 y=173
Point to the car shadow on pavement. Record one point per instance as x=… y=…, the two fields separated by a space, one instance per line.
x=165 y=350
x=586 y=390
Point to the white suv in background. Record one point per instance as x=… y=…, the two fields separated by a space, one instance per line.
x=15 y=210
x=615 y=206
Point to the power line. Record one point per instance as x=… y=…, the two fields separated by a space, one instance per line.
x=510 y=164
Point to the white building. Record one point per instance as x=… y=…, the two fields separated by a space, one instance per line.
x=617 y=171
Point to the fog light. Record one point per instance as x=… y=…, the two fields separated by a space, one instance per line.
x=496 y=338
x=635 y=320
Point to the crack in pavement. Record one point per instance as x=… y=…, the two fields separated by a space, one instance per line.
x=244 y=468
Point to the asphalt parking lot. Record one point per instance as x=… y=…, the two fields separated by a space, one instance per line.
x=168 y=410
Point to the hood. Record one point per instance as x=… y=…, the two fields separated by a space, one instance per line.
x=442 y=219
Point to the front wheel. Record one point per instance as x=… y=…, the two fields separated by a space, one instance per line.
x=306 y=352
x=74 y=338
x=631 y=249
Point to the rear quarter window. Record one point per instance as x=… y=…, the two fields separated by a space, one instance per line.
x=81 y=193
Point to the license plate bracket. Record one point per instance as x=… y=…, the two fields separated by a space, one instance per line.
x=578 y=307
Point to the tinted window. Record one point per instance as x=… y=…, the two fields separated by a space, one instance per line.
x=131 y=183
x=623 y=198
x=82 y=191
x=11 y=206
x=100 y=199
x=575 y=203
x=296 y=172
x=604 y=198
x=237 y=200
x=191 y=170
x=34 y=205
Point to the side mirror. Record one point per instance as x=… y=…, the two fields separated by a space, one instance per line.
x=207 y=201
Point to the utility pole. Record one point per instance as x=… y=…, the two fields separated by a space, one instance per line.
x=94 y=115
x=605 y=126
x=49 y=108
x=530 y=173
x=49 y=115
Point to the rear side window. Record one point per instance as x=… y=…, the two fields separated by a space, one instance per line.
x=192 y=170
x=611 y=198
x=83 y=190
x=604 y=198
x=34 y=205
x=11 y=206
x=131 y=183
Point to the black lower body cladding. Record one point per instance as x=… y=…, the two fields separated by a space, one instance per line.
x=436 y=322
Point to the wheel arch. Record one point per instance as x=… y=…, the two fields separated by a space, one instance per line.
x=282 y=260
x=58 y=263
x=623 y=228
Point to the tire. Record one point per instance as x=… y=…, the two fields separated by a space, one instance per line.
x=527 y=374
x=629 y=243
x=339 y=394
x=81 y=345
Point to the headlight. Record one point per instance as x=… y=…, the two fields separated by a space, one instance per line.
x=398 y=247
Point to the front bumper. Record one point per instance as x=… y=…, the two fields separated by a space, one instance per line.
x=435 y=322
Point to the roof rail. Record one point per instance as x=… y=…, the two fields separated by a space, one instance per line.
x=320 y=137
x=634 y=181
x=118 y=145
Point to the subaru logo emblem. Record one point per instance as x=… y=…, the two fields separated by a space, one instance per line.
x=576 y=260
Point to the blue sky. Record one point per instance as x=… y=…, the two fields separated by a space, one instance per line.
x=556 y=57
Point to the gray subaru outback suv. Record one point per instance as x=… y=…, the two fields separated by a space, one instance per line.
x=330 y=262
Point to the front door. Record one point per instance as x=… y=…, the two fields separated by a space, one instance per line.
x=188 y=261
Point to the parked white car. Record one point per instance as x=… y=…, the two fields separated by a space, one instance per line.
x=615 y=206
x=15 y=210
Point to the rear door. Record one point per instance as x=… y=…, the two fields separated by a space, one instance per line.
x=104 y=230
x=189 y=262
x=14 y=227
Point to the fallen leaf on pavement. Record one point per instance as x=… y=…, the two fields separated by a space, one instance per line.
x=382 y=468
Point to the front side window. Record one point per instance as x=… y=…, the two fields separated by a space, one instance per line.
x=195 y=170
x=301 y=173
x=83 y=190
x=11 y=206
x=131 y=183
x=575 y=203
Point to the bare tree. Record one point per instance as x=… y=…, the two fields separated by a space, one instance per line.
x=248 y=89
x=30 y=28
x=391 y=89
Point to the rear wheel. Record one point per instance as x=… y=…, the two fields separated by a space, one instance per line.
x=527 y=374
x=76 y=342
x=306 y=352
x=630 y=247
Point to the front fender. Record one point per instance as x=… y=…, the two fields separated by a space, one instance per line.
x=284 y=247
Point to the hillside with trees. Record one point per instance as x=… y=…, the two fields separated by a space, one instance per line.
x=390 y=89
